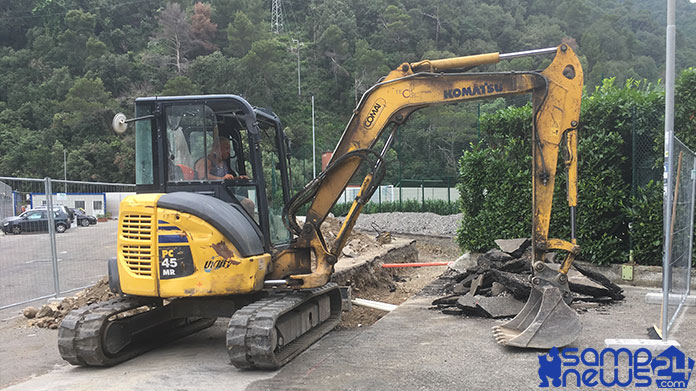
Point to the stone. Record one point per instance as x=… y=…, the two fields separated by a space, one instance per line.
x=497 y=288
x=493 y=259
x=446 y=301
x=468 y=305
x=45 y=311
x=476 y=284
x=460 y=288
x=615 y=290
x=463 y=263
x=514 y=247
x=30 y=312
x=517 y=265
x=499 y=306
x=517 y=284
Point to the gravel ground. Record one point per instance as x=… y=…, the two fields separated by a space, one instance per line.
x=410 y=223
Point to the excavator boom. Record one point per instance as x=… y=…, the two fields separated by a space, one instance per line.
x=556 y=96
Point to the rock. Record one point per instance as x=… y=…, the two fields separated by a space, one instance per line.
x=348 y=252
x=30 y=312
x=468 y=304
x=499 y=306
x=446 y=301
x=615 y=290
x=518 y=265
x=384 y=238
x=497 y=288
x=514 y=247
x=463 y=263
x=45 y=311
x=476 y=284
x=460 y=288
x=493 y=259
x=517 y=284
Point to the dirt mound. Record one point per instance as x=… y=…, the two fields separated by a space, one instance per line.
x=50 y=315
x=357 y=242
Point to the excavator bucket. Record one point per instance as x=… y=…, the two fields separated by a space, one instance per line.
x=544 y=322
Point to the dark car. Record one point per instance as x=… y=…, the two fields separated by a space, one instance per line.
x=35 y=220
x=83 y=219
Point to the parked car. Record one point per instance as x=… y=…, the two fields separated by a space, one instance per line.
x=83 y=219
x=70 y=212
x=35 y=220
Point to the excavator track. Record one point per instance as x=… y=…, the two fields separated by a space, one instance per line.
x=102 y=335
x=270 y=332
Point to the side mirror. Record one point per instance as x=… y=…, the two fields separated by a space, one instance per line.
x=120 y=122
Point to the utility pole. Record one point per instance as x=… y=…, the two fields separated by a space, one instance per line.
x=669 y=159
x=314 y=148
x=65 y=171
x=277 y=16
x=299 y=86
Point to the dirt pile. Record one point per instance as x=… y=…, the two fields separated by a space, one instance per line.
x=50 y=315
x=357 y=242
x=498 y=284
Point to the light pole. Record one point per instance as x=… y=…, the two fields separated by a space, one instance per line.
x=299 y=86
x=669 y=159
x=65 y=171
x=314 y=148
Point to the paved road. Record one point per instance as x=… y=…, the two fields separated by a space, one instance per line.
x=27 y=270
x=412 y=348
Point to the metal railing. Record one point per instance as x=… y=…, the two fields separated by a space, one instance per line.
x=679 y=240
x=53 y=255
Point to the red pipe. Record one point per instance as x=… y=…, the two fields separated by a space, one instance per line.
x=415 y=264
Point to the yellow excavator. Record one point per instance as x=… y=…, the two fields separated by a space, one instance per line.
x=212 y=230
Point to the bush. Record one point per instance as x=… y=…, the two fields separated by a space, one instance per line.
x=645 y=214
x=495 y=194
x=495 y=180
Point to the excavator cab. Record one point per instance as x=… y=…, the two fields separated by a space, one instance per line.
x=176 y=147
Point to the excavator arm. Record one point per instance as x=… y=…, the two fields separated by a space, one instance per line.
x=546 y=319
x=556 y=94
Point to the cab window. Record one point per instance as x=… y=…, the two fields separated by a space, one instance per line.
x=274 y=186
x=191 y=131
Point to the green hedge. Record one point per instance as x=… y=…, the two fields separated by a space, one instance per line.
x=495 y=178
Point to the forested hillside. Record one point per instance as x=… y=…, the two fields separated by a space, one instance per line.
x=68 y=65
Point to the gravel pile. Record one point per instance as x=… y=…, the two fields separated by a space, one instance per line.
x=410 y=223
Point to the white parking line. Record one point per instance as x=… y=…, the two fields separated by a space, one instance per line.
x=43 y=260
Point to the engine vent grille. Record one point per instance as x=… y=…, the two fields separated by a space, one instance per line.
x=136 y=227
x=138 y=259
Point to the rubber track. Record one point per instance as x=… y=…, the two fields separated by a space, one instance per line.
x=80 y=333
x=251 y=332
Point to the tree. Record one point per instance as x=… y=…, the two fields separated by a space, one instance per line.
x=175 y=35
x=202 y=30
x=242 y=33
x=180 y=85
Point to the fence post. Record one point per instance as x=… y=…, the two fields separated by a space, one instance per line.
x=634 y=179
x=422 y=195
x=52 y=233
x=449 y=197
x=691 y=230
x=379 y=198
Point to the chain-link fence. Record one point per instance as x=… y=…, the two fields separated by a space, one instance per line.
x=39 y=260
x=678 y=246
